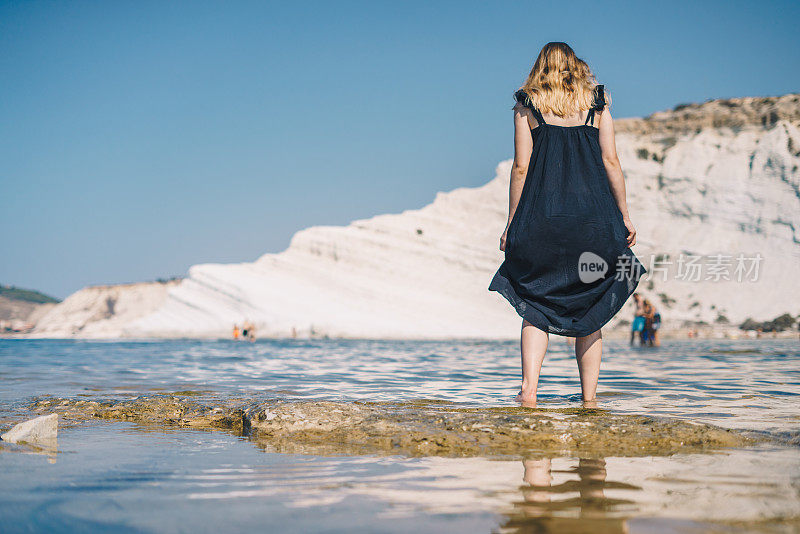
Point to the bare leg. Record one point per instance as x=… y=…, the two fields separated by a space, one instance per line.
x=533 y=345
x=588 y=352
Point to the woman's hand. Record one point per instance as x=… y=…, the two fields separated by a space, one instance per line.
x=503 y=238
x=631 y=231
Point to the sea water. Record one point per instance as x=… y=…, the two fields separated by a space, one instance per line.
x=115 y=476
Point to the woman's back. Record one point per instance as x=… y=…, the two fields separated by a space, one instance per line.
x=568 y=225
x=584 y=117
x=567 y=122
x=567 y=234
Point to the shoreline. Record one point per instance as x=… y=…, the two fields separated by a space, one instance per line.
x=707 y=333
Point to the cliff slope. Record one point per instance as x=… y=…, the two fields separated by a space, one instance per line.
x=719 y=178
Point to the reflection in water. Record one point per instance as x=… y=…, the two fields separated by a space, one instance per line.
x=50 y=450
x=185 y=479
x=569 y=506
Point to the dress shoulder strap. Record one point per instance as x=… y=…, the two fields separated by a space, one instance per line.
x=599 y=97
x=598 y=104
x=523 y=98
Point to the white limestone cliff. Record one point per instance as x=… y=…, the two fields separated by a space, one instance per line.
x=714 y=178
x=102 y=311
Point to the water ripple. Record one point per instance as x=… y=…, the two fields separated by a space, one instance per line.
x=751 y=384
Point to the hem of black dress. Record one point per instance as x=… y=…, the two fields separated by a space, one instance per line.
x=502 y=285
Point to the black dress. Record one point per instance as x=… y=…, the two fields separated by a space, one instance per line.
x=568 y=269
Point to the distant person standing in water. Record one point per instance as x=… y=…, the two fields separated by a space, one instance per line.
x=236 y=331
x=652 y=324
x=656 y=327
x=567 y=216
x=637 y=327
x=248 y=331
x=649 y=317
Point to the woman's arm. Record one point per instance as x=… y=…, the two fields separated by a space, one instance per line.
x=523 y=148
x=608 y=148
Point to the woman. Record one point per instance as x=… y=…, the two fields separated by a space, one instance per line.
x=568 y=265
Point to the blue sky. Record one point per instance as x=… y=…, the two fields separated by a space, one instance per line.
x=140 y=138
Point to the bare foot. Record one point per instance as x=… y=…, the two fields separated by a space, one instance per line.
x=526 y=398
x=590 y=403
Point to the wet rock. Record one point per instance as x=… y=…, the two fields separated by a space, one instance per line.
x=416 y=428
x=40 y=431
x=235 y=421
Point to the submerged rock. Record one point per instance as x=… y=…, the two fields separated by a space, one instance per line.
x=423 y=428
x=40 y=431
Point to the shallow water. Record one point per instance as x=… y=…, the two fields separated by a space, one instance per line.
x=105 y=474
x=752 y=384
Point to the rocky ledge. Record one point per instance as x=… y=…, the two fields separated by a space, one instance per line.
x=422 y=428
x=735 y=113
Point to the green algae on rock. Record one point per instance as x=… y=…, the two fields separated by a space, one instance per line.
x=417 y=428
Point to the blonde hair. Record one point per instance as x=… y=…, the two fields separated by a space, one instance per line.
x=560 y=82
